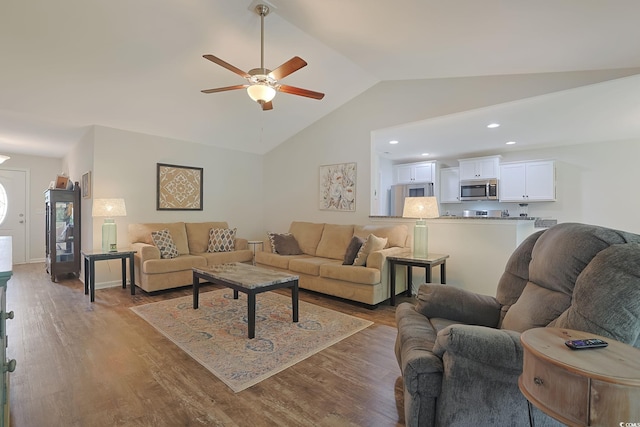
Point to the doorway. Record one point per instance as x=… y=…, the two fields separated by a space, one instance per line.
x=13 y=218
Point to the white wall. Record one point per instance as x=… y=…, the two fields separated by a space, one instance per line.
x=586 y=173
x=291 y=169
x=124 y=166
x=41 y=171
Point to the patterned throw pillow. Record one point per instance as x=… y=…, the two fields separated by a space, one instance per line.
x=222 y=240
x=163 y=241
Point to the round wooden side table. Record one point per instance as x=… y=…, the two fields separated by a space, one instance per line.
x=590 y=387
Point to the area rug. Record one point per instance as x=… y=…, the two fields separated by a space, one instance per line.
x=216 y=333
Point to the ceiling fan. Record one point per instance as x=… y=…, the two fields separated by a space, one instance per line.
x=262 y=82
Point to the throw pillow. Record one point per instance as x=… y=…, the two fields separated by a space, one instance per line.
x=163 y=241
x=284 y=244
x=372 y=244
x=222 y=240
x=352 y=250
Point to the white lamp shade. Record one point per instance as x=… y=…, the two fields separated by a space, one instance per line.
x=108 y=208
x=3 y=158
x=420 y=207
x=261 y=92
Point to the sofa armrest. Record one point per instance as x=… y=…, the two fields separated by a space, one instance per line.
x=499 y=348
x=460 y=305
x=241 y=244
x=145 y=251
x=378 y=259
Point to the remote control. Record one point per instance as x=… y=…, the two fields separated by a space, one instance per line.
x=587 y=343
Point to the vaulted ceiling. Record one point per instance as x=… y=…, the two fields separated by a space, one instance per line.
x=137 y=65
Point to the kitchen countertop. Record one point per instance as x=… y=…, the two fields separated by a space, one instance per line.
x=539 y=222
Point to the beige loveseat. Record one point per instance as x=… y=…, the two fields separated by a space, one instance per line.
x=320 y=266
x=191 y=239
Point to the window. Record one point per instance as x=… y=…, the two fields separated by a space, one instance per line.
x=3 y=203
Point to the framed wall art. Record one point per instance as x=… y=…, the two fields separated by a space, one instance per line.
x=179 y=188
x=338 y=187
x=86 y=185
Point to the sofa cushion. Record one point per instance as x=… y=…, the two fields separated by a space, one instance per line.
x=182 y=262
x=307 y=235
x=284 y=244
x=352 y=250
x=334 y=241
x=163 y=241
x=221 y=240
x=606 y=299
x=396 y=234
x=310 y=266
x=141 y=233
x=536 y=307
x=216 y=258
x=198 y=234
x=372 y=244
x=274 y=260
x=349 y=273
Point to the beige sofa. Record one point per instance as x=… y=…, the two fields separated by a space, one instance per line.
x=191 y=239
x=320 y=266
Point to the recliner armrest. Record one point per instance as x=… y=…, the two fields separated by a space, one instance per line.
x=495 y=347
x=460 y=305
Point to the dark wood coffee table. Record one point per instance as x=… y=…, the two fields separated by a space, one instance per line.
x=247 y=279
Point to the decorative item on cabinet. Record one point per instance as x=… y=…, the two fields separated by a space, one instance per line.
x=62 y=231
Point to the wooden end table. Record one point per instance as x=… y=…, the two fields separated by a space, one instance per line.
x=250 y=280
x=590 y=387
x=410 y=260
x=90 y=258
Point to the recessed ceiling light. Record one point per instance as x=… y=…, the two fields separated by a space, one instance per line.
x=511 y=142
x=424 y=154
x=393 y=142
x=493 y=125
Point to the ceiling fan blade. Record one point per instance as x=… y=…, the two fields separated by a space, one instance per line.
x=226 y=65
x=294 y=64
x=223 y=89
x=267 y=106
x=301 y=92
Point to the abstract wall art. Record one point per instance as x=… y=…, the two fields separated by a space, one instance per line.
x=338 y=187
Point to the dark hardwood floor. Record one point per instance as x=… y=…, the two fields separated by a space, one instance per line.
x=98 y=364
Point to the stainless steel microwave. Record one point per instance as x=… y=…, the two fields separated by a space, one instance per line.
x=479 y=189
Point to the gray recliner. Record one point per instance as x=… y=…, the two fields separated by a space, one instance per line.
x=460 y=353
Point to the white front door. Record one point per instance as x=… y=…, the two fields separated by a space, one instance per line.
x=13 y=191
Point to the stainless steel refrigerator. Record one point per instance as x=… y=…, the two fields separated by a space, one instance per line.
x=398 y=192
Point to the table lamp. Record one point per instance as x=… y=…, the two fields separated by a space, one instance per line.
x=109 y=208
x=421 y=208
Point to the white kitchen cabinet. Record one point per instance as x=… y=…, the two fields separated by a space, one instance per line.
x=480 y=168
x=410 y=173
x=450 y=185
x=528 y=181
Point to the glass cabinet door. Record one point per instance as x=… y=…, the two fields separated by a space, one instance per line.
x=64 y=231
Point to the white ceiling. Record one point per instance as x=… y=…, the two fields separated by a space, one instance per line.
x=137 y=65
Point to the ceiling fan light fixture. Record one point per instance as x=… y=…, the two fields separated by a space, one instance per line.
x=261 y=93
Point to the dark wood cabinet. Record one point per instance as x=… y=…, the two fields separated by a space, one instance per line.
x=62 y=211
